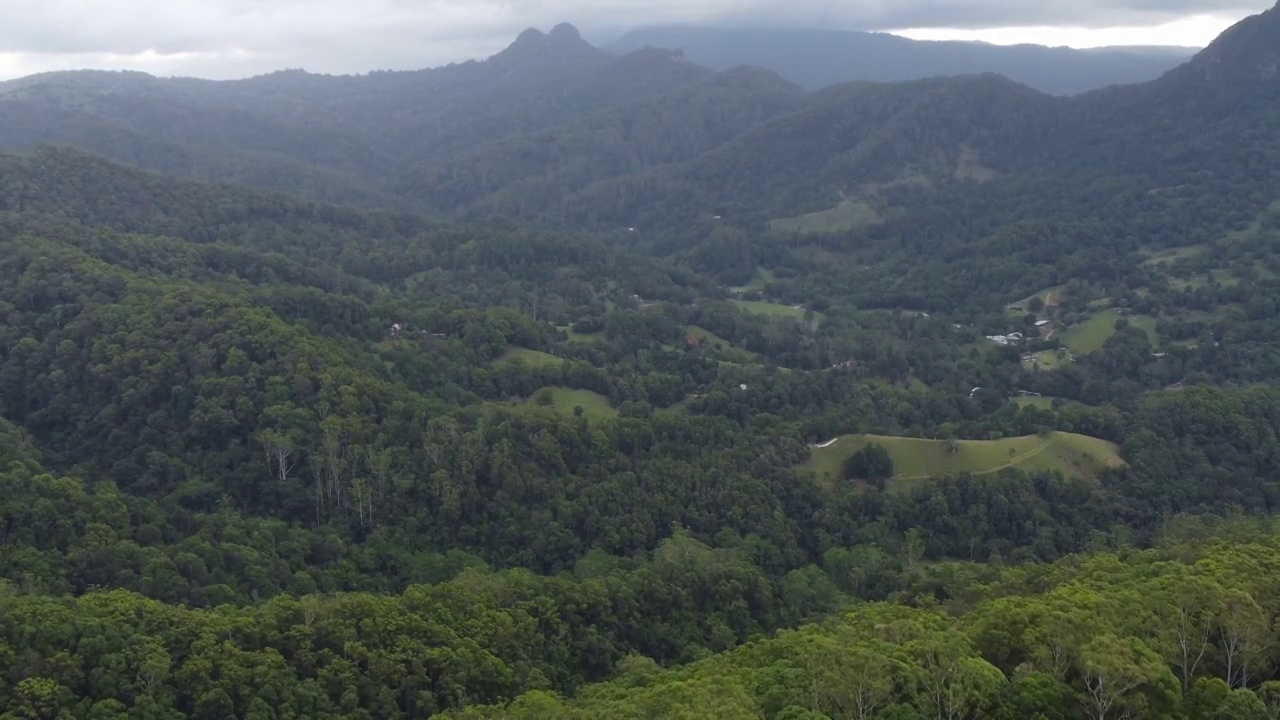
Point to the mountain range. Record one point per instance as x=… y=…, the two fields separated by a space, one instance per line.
x=817 y=58
x=554 y=128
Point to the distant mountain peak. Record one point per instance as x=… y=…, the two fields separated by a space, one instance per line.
x=565 y=32
x=563 y=41
x=531 y=36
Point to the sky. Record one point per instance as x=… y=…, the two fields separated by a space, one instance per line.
x=238 y=38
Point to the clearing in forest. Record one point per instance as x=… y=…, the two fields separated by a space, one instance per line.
x=760 y=307
x=532 y=358
x=575 y=336
x=969 y=166
x=724 y=349
x=916 y=459
x=850 y=214
x=1044 y=403
x=1049 y=297
x=1046 y=360
x=1090 y=335
x=594 y=405
x=1172 y=255
x=758 y=282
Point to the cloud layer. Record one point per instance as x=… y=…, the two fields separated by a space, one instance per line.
x=233 y=38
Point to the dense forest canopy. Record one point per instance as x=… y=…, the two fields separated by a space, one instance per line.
x=611 y=387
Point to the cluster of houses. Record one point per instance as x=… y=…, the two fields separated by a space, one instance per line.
x=1012 y=338
x=1015 y=338
x=397 y=329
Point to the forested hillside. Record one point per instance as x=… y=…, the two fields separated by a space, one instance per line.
x=1182 y=631
x=698 y=396
x=336 y=138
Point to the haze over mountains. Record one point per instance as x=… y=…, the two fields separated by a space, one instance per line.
x=817 y=58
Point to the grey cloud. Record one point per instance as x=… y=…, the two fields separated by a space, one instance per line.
x=887 y=14
x=227 y=38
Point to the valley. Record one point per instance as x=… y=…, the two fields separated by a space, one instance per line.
x=584 y=382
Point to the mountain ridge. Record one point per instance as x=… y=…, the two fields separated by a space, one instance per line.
x=468 y=138
x=817 y=58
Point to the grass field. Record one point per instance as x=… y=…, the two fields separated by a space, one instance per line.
x=1043 y=403
x=532 y=358
x=760 y=307
x=1047 y=360
x=594 y=405
x=848 y=215
x=1148 y=325
x=915 y=459
x=1049 y=297
x=580 y=337
x=725 y=349
x=1090 y=335
x=706 y=335
x=1172 y=255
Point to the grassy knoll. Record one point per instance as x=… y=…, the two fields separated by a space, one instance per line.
x=594 y=405
x=533 y=358
x=915 y=459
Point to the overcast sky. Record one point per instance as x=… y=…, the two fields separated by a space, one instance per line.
x=235 y=38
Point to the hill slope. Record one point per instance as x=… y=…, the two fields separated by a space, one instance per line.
x=334 y=138
x=534 y=173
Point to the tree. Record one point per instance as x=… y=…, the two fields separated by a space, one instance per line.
x=871 y=462
x=1187 y=604
x=1242 y=634
x=1114 y=672
x=1242 y=704
x=948 y=680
